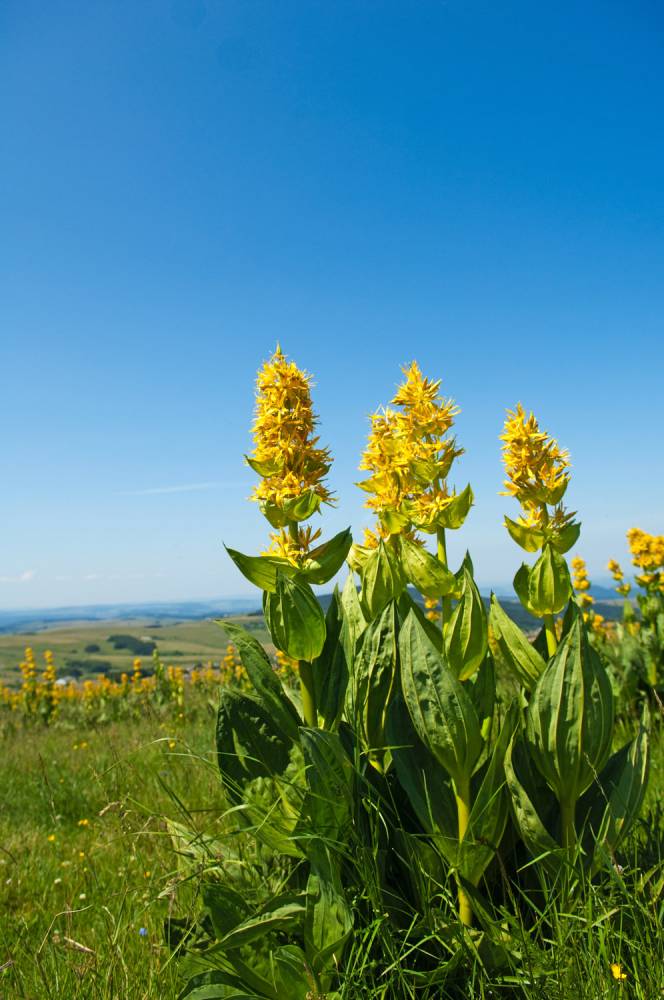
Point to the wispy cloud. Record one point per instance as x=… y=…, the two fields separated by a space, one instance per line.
x=186 y=488
x=25 y=577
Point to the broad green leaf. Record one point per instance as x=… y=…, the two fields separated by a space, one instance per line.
x=511 y=649
x=215 y=985
x=611 y=805
x=295 y=619
x=570 y=717
x=549 y=583
x=282 y=918
x=225 y=907
x=291 y=974
x=249 y=742
x=264 y=679
x=531 y=806
x=330 y=669
x=357 y=557
x=374 y=678
x=442 y=713
x=301 y=508
x=424 y=571
x=324 y=561
x=456 y=512
x=424 y=781
x=382 y=580
x=529 y=538
x=521 y=584
x=481 y=689
x=264 y=469
x=466 y=635
x=490 y=808
x=328 y=924
x=327 y=809
x=354 y=622
x=393 y=521
x=564 y=540
x=261 y=570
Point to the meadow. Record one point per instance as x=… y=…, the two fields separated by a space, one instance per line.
x=89 y=879
x=403 y=792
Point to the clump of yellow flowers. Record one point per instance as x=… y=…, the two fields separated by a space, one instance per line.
x=409 y=455
x=580 y=581
x=648 y=555
x=537 y=472
x=47 y=697
x=287 y=456
x=585 y=600
x=623 y=588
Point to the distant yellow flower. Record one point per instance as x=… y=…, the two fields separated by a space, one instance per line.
x=84 y=822
x=283 y=431
x=536 y=467
x=617 y=971
x=432 y=608
x=647 y=553
x=51 y=838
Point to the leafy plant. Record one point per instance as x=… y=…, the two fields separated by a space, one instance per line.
x=397 y=797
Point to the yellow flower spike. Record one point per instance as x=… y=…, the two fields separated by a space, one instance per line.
x=409 y=457
x=286 y=451
x=536 y=467
x=617 y=971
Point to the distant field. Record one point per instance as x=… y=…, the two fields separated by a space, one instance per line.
x=183 y=643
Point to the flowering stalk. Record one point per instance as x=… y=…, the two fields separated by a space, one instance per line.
x=409 y=456
x=538 y=476
x=292 y=468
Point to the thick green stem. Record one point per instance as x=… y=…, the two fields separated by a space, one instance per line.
x=446 y=602
x=567 y=827
x=308 y=694
x=304 y=667
x=550 y=633
x=462 y=796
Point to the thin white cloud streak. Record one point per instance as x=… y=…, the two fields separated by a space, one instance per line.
x=187 y=488
x=25 y=577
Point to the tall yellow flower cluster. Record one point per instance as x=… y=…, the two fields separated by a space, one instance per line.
x=581 y=584
x=580 y=581
x=623 y=588
x=648 y=555
x=409 y=455
x=537 y=469
x=287 y=456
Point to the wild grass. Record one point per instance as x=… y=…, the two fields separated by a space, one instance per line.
x=89 y=879
x=86 y=863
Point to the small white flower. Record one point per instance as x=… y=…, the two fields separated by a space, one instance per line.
x=81 y=895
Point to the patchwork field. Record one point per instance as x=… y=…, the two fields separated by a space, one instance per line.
x=88 y=648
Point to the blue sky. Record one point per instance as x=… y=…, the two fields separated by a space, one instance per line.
x=182 y=184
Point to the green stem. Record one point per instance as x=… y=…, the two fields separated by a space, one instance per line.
x=305 y=670
x=308 y=694
x=550 y=633
x=462 y=797
x=446 y=602
x=567 y=826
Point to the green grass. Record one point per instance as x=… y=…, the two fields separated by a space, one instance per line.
x=182 y=643
x=72 y=908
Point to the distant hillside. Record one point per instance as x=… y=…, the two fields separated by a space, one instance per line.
x=34 y=619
